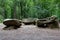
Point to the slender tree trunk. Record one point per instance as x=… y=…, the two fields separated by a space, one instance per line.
x=21 y=9
x=13 y=11
x=5 y=13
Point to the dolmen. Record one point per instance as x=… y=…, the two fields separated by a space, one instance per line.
x=50 y=22
x=12 y=24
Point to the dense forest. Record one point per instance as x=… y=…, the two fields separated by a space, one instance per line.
x=19 y=9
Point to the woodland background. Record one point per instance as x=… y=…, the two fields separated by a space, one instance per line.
x=19 y=9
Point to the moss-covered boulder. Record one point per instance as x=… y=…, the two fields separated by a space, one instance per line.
x=12 y=23
x=29 y=21
x=50 y=22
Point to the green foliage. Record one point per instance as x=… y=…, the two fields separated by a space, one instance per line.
x=1 y=18
x=19 y=9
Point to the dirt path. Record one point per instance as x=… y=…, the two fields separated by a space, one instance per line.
x=29 y=32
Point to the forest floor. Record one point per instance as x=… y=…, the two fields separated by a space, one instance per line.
x=29 y=32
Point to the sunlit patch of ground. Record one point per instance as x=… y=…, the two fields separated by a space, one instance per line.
x=29 y=32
